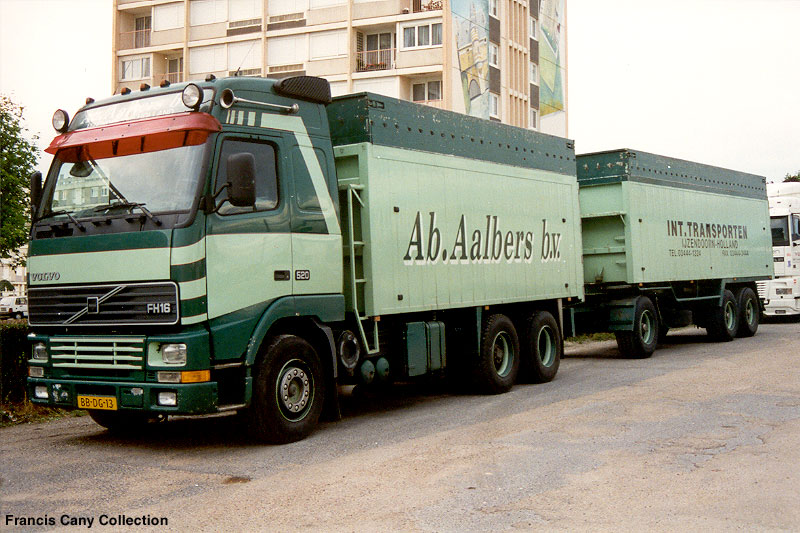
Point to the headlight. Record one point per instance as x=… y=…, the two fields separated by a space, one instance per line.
x=40 y=392
x=169 y=399
x=35 y=372
x=40 y=351
x=60 y=121
x=192 y=96
x=173 y=354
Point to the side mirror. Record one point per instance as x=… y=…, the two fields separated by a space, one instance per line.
x=241 y=169
x=36 y=192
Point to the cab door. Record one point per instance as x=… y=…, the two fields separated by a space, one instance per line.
x=248 y=250
x=316 y=234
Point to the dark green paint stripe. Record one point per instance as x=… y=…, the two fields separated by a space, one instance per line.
x=193 y=307
x=188 y=236
x=189 y=271
x=101 y=243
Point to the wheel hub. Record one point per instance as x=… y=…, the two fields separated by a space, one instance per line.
x=294 y=390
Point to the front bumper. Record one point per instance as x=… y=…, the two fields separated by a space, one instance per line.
x=192 y=398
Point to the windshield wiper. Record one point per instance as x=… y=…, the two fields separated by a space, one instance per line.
x=131 y=206
x=69 y=215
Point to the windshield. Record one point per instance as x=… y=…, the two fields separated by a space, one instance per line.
x=163 y=181
x=780 y=231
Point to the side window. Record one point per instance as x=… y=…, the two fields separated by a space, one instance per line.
x=266 y=175
x=795 y=227
x=307 y=199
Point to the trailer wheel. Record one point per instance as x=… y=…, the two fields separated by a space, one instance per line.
x=120 y=422
x=498 y=362
x=288 y=391
x=723 y=321
x=641 y=342
x=18 y=316
x=541 y=349
x=747 y=305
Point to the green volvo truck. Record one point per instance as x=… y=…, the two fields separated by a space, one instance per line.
x=668 y=243
x=249 y=245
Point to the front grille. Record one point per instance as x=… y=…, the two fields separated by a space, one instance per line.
x=762 y=289
x=99 y=353
x=120 y=304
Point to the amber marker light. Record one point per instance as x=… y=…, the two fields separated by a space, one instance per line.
x=195 y=376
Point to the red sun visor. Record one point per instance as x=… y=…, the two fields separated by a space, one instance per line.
x=140 y=136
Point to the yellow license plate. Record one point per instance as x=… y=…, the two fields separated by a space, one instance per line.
x=104 y=403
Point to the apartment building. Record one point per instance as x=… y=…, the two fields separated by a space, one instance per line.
x=502 y=60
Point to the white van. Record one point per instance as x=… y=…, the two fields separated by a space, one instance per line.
x=13 y=307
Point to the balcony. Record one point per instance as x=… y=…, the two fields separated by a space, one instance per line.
x=373 y=60
x=134 y=39
x=174 y=77
x=420 y=6
x=438 y=104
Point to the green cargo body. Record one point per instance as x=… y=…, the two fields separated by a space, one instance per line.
x=651 y=219
x=439 y=231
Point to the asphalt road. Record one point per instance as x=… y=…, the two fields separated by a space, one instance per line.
x=702 y=436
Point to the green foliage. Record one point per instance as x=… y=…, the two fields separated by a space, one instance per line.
x=17 y=163
x=13 y=360
x=792 y=178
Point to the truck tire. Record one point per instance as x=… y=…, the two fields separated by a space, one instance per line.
x=120 y=422
x=288 y=391
x=723 y=321
x=498 y=361
x=749 y=313
x=642 y=341
x=18 y=316
x=540 y=349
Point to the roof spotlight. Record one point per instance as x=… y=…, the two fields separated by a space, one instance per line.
x=60 y=121
x=192 y=96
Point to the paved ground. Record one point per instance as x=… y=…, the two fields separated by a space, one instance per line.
x=702 y=436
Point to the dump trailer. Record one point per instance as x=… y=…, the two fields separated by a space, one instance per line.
x=668 y=243
x=781 y=295
x=249 y=245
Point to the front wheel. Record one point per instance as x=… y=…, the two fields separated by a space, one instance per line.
x=288 y=391
x=498 y=361
x=641 y=342
x=541 y=349
x=723 y=322
x=747 y=305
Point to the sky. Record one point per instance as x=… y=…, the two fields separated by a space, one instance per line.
x=713 y=81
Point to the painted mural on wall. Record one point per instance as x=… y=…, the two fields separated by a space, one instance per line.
x=471 y=29
x=551 y=64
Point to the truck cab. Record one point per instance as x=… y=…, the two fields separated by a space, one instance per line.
x=781 y=295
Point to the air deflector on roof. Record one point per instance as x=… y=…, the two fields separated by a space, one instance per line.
x=305 y=87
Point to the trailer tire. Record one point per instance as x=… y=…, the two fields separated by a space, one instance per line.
x=120 y=422
x=498 y=361
x=540 y=349
x=288 y=391
x=749 y=313
x=642 y=341
x=723 y=321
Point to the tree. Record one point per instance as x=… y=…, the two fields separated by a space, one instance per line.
x=17 y=162
x=792 y=178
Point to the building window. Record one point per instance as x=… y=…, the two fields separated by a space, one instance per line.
x=426 y=91
x=135 y=69
x=376 y=54
x=494 y=105
x=207 y=59
x=494 y=55
x=533 y=25
x=244 y=9
x=493 y=8
x=168 y=17
x=422 y=35
x=207 y=12
x=141 y=37
x=534 y=73
x=534 y=120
